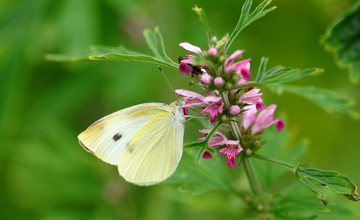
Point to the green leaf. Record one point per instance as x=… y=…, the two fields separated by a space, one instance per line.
x=324 y=98
x=296 y=202
x=202 y=17
x=280 y=74
x=153 y=39
x=262 y=69
x=317 y=180
x=246 y=18
x=342 y=39
x=155 y=42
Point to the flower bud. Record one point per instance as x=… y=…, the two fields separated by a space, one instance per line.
x=234 y=110
x=218 y=81
x=206 y=155
x=228 y=86
x=212 y=51
x=206 y=78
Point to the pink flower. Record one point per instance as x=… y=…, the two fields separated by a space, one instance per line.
x=231 y=150
x=218 y=139
x=240 y=68
x=190 y=47
x=215 y=107
x=191 y=98
x=251 y=96
x=265 y=119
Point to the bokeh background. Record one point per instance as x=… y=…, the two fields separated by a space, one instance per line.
x=45 y=174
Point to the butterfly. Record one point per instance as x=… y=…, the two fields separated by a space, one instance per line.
x=144 y=141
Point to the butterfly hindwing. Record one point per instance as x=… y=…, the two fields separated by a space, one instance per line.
x=154 y=152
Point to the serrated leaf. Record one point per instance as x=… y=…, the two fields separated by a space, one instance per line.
x=262 y=69
x=317 y=179
x=109 y=53
x=153 y=39
x=246 y=18
x=326 y=99
x=284 y=74
x=342 y=39
x=155 y=42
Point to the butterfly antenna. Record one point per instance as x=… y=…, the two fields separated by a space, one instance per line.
x=167 y=80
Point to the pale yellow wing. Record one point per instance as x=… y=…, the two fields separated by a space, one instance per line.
x=107 y=137
x=155 y=150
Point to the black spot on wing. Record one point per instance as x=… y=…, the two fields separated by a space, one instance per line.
x=117 y=137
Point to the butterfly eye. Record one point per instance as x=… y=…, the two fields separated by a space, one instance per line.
x=117 y=137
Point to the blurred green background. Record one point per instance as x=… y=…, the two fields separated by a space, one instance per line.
x=45 y=174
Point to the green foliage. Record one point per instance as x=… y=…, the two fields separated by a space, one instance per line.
x=317 y=179
x=153 y=39
x=44 y=105
x=197 y=178
x=246 y=18
x=326 y=99
x=275 y=78
x=342 y=39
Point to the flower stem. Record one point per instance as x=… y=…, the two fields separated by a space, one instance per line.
x=262 y=157
x=254 y=183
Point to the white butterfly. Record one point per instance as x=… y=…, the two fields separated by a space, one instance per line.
x=145 y=141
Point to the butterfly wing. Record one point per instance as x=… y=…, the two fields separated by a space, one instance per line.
x=107 y=137
x=155 y=150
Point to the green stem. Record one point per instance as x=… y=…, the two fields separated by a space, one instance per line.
x=280 y=162
x=254 y=183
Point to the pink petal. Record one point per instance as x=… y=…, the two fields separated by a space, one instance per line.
x=188 y=93
x=237 y=54
x=212 y=99
x=245 y=72
x=206 y=155
x=190 y=47
x=185 y=68
x=279 y=124
x=264 y=119
x=249 y=116
x=251 y=96
x=260 y=105
x=218 y=139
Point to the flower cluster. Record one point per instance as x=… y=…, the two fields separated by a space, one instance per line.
x=228 y=98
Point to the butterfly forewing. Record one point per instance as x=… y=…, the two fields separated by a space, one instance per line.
x=107 y=137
